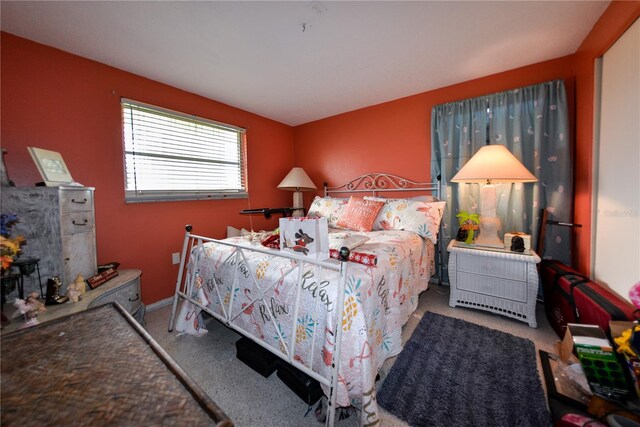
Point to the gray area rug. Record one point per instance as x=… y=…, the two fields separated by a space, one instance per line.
x=456 y=373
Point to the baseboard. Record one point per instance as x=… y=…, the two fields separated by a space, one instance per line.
x=159 y=304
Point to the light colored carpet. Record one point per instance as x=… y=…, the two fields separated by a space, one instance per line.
x=250 y=399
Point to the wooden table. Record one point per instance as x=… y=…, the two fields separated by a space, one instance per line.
x=98 y=367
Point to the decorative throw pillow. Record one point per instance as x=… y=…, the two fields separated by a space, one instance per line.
x=359 y=214
x=418 y=217
x=328 y=207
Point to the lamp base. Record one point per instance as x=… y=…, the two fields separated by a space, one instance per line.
x=298 y=204
x=488 y=236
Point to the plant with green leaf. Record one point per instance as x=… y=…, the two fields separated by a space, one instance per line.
x=470 y=223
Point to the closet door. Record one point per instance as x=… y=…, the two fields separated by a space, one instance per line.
x=616 y=216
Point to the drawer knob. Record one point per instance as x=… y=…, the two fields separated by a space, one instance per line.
x=86 y=221
x=135 y=299
x=80 y=202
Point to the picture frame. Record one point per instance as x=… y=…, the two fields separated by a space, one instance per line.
x=555 y=388
x=102 y=277
x=51 y=166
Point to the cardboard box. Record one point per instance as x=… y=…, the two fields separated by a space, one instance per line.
x=617 y=327
x=604 y=372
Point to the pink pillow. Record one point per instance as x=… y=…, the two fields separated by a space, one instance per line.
x=359 y=214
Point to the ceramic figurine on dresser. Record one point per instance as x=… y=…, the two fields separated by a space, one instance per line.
x=59 y=224
x=30 y=307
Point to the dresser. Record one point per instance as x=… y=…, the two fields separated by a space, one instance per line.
x=495 y=280
x=59 y=226
x=123 y=289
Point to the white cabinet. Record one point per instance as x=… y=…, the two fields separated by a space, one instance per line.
x=494 y=280
x=59 y=226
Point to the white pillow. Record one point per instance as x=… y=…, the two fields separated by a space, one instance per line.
x=328 y=207
x=418 y=217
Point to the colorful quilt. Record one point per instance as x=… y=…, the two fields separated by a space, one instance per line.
x=378 y=301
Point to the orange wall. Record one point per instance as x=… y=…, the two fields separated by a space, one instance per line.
x=62 y=102
x=395 y=137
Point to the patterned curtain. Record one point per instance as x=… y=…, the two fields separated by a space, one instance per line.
x=532 y=122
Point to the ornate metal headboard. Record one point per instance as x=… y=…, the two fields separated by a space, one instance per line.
x=375 y=183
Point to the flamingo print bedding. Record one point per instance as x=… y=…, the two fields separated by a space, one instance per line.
x=379 y=298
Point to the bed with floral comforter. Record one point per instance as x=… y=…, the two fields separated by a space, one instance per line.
x=381 y=292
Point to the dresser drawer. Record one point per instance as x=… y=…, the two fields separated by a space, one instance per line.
x=127 y=296
x=77 y=222
x=494 y=267
x=76 y=200
x=79 y=256
x=501 y=288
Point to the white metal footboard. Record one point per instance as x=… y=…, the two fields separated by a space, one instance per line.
x=191 y=256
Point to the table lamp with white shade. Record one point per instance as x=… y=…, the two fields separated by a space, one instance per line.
x=297 y=181
x=492 y=164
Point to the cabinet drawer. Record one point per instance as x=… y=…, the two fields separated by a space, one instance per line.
x=77 y=222
x=128 y=296
x=76 y=200
x=79 y=256
x=495 y=267
x=502 y=288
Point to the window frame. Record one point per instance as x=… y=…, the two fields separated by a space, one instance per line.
x=141 y=196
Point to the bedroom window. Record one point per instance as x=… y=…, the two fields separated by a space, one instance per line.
x=175 y=156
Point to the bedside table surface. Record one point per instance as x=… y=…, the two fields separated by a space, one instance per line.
x=528 y=256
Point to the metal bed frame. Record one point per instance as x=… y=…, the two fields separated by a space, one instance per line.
x=191 y=254
x=377 y=183
x=185 y=283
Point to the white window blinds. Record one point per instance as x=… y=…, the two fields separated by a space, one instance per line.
x=174 y=156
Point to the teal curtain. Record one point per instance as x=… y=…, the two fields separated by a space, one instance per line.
x=532 y=122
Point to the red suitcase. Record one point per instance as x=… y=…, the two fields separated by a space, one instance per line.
x=571 y=297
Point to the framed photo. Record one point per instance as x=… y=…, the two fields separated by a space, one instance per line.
x=556 y=388
x=51 y=166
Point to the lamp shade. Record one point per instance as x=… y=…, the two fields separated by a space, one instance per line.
x=297 y=180
x=494 y=163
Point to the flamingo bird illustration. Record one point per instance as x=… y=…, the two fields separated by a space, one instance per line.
x=427 y=212
x=389 y=226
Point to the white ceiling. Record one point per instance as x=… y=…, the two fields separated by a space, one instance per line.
x=301 y=61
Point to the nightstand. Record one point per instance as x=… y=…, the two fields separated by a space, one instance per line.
x=495 y=280
x=124 y=289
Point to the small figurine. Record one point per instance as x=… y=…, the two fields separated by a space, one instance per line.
x=80 y=284
x=53 y=292
x=517 y=244
x=469 y=223
x=30 y=307
x=76 y=289
x=462 y=234
x=73 y=292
